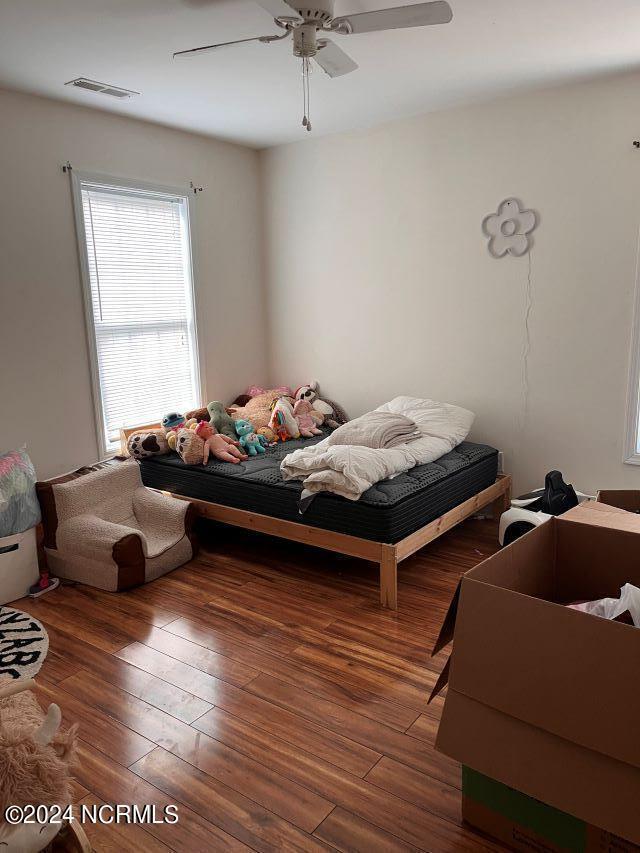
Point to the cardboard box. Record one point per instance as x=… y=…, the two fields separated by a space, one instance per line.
x=627 y=499
x=525 y=824
x=543 y=698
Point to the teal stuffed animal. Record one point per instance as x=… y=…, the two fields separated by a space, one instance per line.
x=248 y=438
x=221 y=420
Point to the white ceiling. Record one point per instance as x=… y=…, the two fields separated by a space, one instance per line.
x=252 y=93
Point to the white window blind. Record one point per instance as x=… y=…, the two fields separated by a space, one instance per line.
x=137 y=246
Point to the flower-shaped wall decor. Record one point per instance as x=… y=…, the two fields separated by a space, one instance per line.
x=509 y=230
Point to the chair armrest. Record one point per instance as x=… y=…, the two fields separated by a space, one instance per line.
x=89 y=536
x=154 y=510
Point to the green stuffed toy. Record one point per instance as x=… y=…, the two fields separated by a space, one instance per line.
x=221 y=420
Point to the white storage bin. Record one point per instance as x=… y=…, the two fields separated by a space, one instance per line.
x=18 y=565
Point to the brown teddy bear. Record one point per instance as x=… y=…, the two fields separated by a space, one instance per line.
x=258 y=409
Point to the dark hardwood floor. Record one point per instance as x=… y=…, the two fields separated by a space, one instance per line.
x=263 y=690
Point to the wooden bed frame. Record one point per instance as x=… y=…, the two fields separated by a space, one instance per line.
x=387 y=556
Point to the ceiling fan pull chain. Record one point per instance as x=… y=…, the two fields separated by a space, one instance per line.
x=305 y=120
x=306 y=93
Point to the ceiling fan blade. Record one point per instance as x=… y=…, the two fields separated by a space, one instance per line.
x=278 y=8
x=198 y=51
x=416 y=15
x=333 y=59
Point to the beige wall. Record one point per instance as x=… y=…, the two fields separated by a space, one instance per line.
x=377 y=273
x=45 y=392
x=380 y=281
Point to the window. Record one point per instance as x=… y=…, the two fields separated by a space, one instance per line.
x=136 y=261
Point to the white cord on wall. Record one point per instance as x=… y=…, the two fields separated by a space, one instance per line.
x=526 y=346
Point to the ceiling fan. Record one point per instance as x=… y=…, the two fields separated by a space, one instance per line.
x=306 y=19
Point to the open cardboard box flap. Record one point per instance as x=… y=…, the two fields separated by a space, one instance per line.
x=603 y=515
x=519 y=651
x=624 y=499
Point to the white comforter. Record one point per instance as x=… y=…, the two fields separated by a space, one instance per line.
x=349 y=471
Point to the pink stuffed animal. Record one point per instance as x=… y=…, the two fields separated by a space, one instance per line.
x=219 y=445
x=306 y=423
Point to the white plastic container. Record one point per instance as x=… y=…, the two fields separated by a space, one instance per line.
x=18 y=565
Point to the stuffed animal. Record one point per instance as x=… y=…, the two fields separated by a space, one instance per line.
x=219 y=445
x=279 y=427
x=201 y=414
x=257 y=410
x=268 y=434
x=241 y=400
x=189 y=447
x=334 y=415
x=36 y=763
x=256 y=390
x=282 y=417
x=195 y=449
x=306 y=424
x=221 y=420
x=248 y=438
x=144 y=444
x=173 y=422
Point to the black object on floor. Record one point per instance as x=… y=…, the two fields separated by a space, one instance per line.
x=557 y=496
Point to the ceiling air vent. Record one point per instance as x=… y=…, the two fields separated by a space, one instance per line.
x=103 y=88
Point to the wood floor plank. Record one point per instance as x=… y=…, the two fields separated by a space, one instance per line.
x=409 y=646
x=220 y=666
x=227 y=809
x=124 y=605
x=317 y=739
x=388 y=663
x=425 y=728
x=348 y=832
x=411 y=695
x=275 y=792
x=284 y=608
x=231 y=627
x=112 y=783
x=56 y=611
x=105 y=733
x=78 y=656
x=180 y=586
x=364 y=799
x=365 y=731
x=115 y=837
x=416 y=787
x=272 y=613
x=328 y=684
x=55 y=667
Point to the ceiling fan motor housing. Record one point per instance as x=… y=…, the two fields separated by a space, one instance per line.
x=317 y=11
x=305 y=42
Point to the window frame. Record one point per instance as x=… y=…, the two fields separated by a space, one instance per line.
x=631 y=454
x=78 y=178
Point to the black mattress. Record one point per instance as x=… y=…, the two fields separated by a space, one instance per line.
x=387 y=512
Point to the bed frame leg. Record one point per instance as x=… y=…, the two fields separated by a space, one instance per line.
x=389 y=577
x=501 y=503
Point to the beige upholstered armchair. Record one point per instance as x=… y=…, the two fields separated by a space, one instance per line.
x=104 y=528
